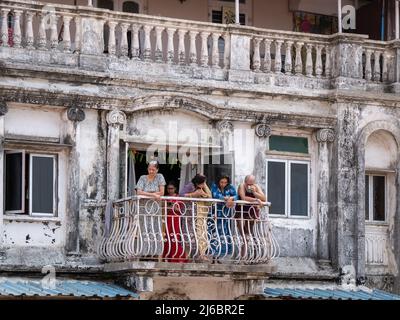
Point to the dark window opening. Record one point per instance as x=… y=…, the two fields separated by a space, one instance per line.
x=105 y=4
x=130 y=6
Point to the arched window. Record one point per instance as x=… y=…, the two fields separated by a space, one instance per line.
x=130 y=6
x=105 y=4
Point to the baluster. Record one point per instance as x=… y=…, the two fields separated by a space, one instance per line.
x=193 y=53
x=124 y=49
x=385 y=71
x=53 y=31
x=135 y=42
x=227 y=50
x=29 y=30
x=4 y=27
x=215 y=50
x=181 y=47
x=267 y=56
x=288 y=57
x=78 y=33
x=17 y=36
x=328 y=67
x=66 y=33
x=147 y=43
x=111 y=38
x=159 y=49
x=318 y=62
x=256 y=54
x=299 y=61
x=204 y=49
x=309 y=61
x=377 y=66
x=170 y=45
x=368 y=66
x=278 y=56
x=42 y=37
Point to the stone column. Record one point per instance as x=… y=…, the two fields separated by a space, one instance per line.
x=346 y=195
x=74 y=116
x=225 y=132
x=3 y=111
x=324 y=138
x=262 y=131
x=115 y=119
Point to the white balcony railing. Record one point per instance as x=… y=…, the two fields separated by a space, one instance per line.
x=109 y=40
x=188 y=230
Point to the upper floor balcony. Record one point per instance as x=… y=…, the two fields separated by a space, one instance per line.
x=173 y=233
x=129 y=46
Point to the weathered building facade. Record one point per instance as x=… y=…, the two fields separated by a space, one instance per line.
x=81 y=88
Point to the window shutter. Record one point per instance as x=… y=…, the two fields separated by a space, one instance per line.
x=15 y=182
x=276 y=186
x=42 y=184
x=298 y=189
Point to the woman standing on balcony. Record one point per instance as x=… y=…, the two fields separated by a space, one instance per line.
x=220 y=226
x=150 y=215
x=174 y=247
x=198 y=189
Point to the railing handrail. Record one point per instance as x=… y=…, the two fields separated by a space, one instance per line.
x=190 y=199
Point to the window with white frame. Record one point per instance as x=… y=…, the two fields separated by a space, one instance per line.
x=288 y=187
x=223 y=11
x=30 y=183
x=375 y=198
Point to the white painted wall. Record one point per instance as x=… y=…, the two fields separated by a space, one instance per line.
x=32 y=121
x=381 y=151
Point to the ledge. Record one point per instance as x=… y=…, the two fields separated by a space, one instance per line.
x=22 y=218
x=191 y=269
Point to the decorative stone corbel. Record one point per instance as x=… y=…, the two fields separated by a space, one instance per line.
x=116 y=118
x=76 y=114
x=225 y=127
x=263 y=130
x=3 y=108
x=325 y=135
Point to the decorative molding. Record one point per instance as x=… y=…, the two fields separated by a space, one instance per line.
x=225 y=127
x=76 y=114
x=3 y=108
x=116 y=118
x=263 y=130
x=325 y=135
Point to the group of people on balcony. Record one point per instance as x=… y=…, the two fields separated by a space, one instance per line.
x=213 y=228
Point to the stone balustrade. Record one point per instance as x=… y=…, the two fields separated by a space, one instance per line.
x=292 y=54
x=102 y=40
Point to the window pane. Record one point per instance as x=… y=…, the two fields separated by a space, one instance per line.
x=366 y=197
x=288 y=144
x=299 y=189
x=276 y=187
x=42 y=184
x=13 y=183
x=379 y=198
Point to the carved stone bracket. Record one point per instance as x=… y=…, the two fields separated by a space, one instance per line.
x=263 y=130
x=76 y=114
x=325 y=135
x=225 y=127
x=116 y=118
x=3 y=108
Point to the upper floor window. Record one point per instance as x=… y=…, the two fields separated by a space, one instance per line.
x=30 y=183
x=223 y=11
x=130 y=6
x=105 y=4
x=288 y=176
x=375 y=198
